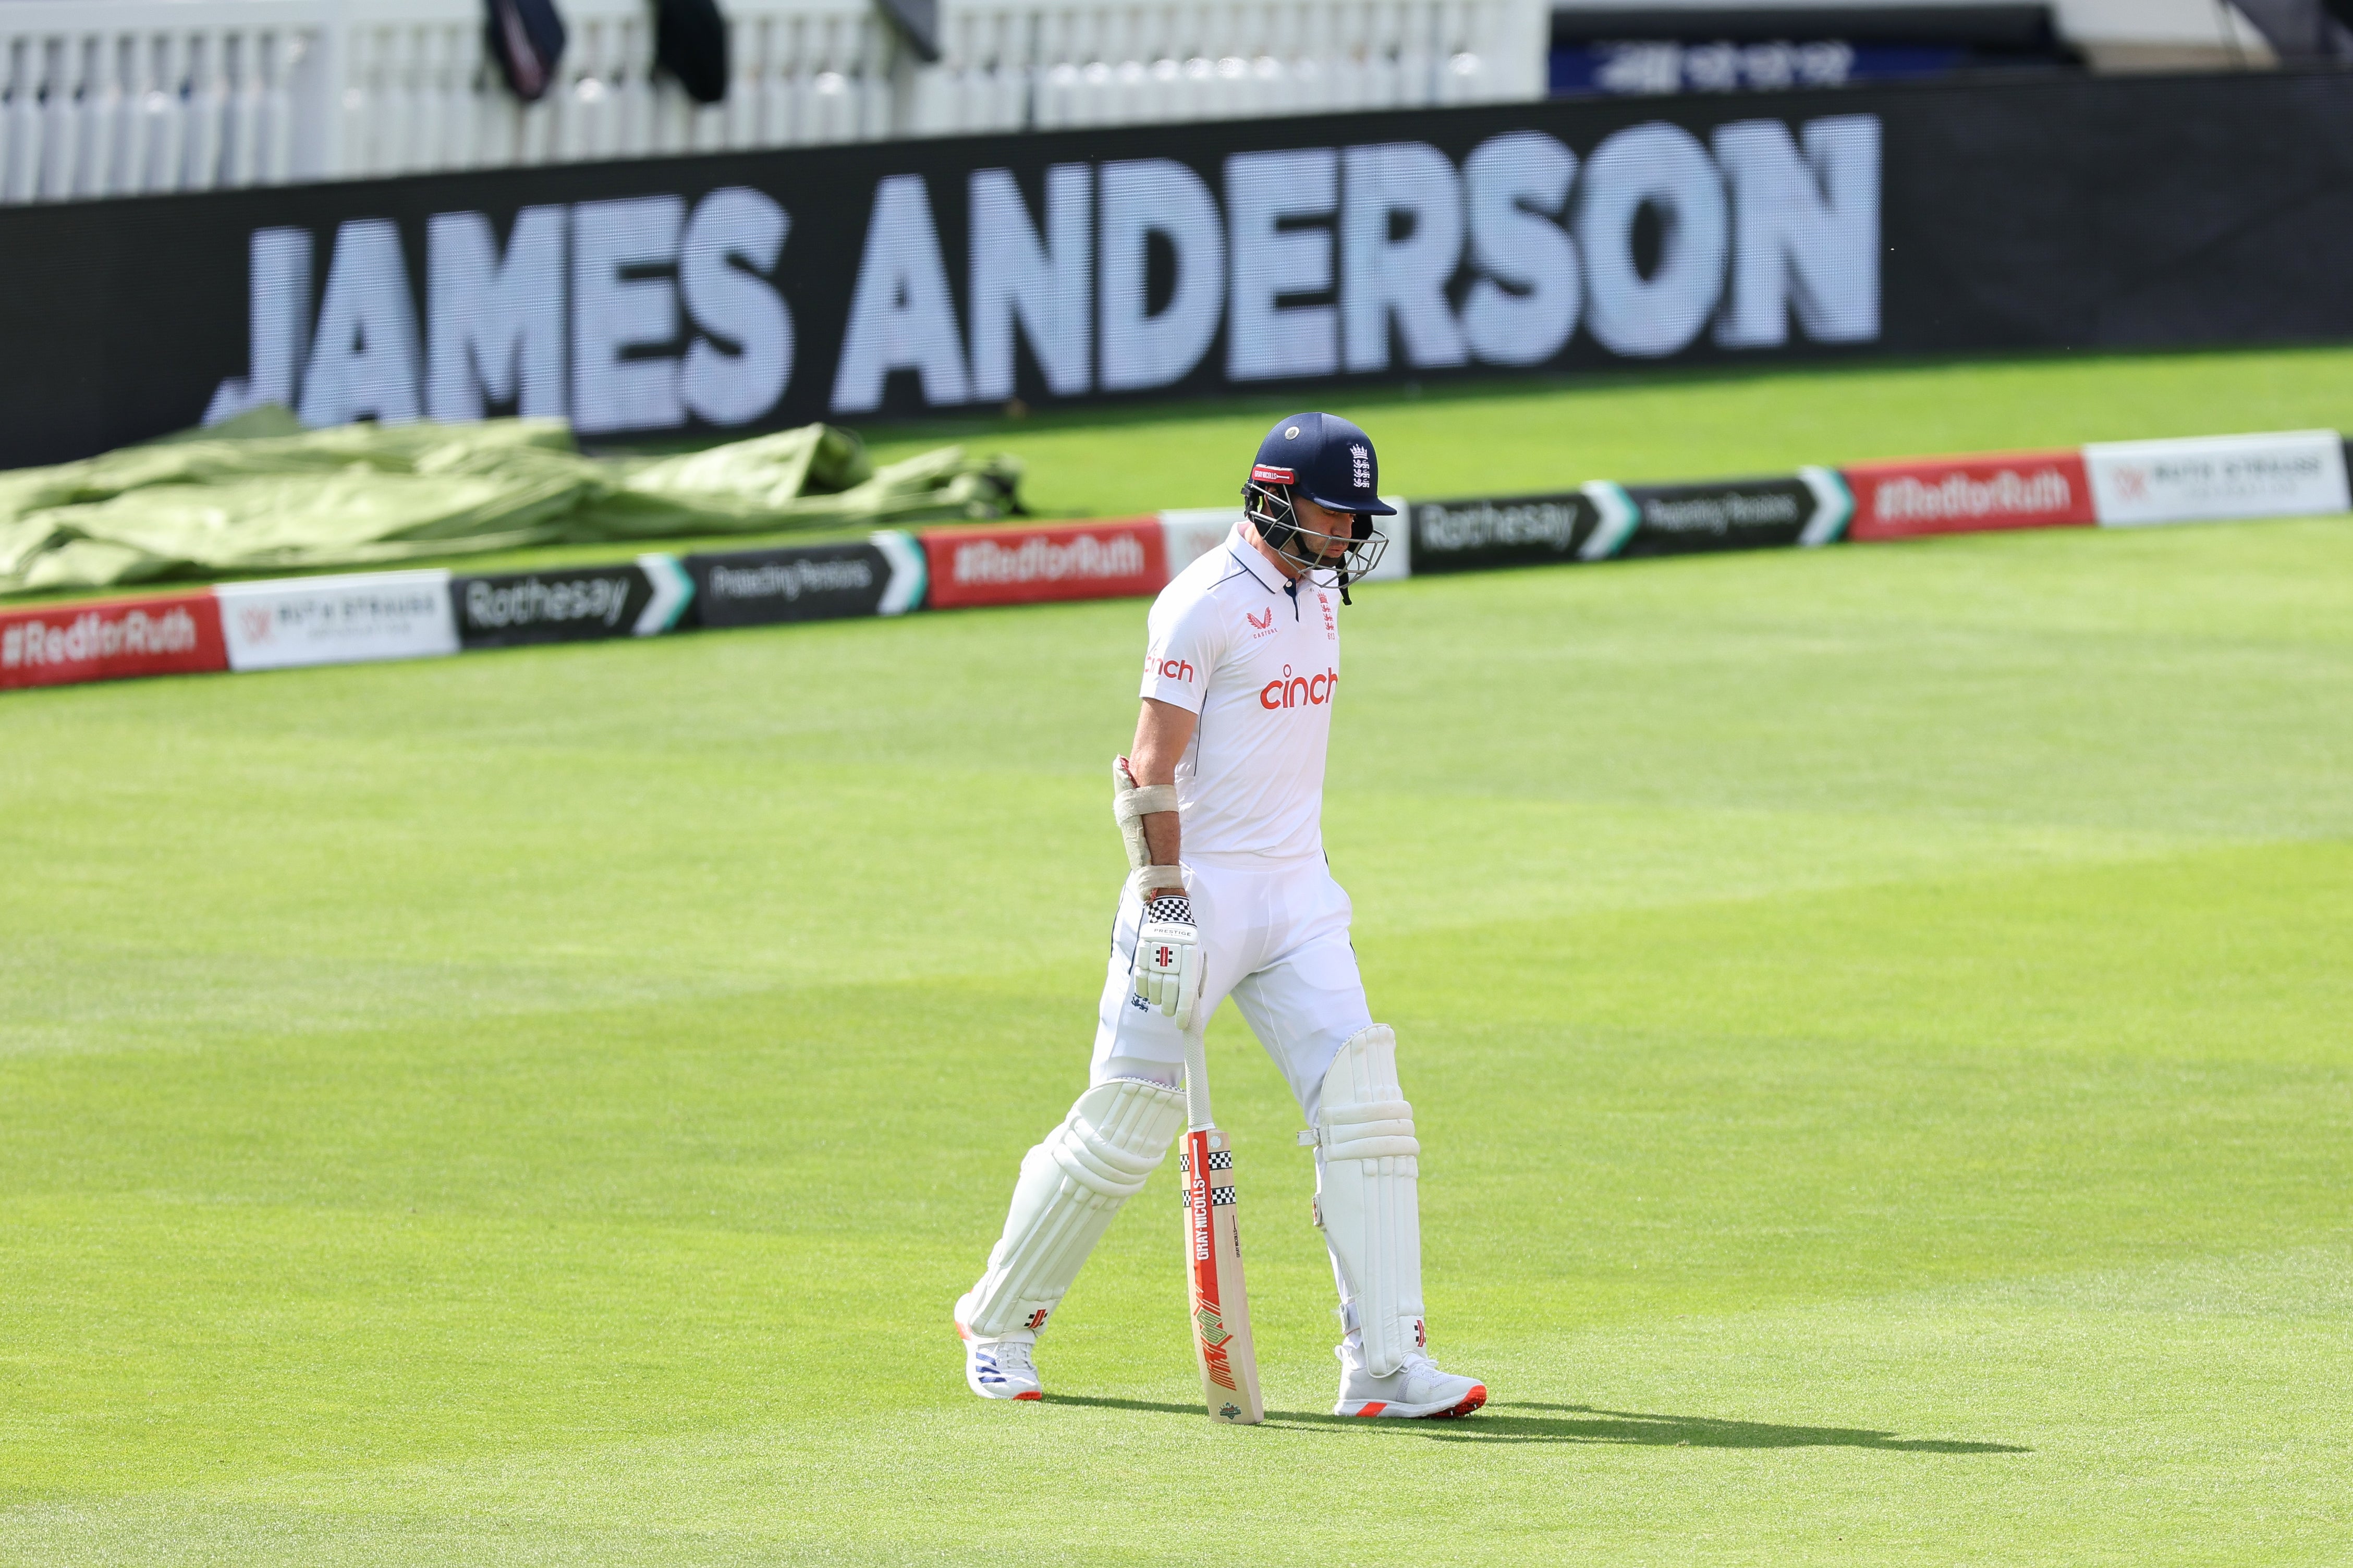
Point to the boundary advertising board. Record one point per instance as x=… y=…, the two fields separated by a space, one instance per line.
x=670 y=298
x=574 y=603
x=2215 y=478
x=286 y=623
x=1604 y=522
x=1024 y=566
x=880 y=576
x=161 y=634
x=1915 y=497
x=396 y=614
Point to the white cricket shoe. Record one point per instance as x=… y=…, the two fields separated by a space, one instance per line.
x=998 y=1368
x=1417 y=1389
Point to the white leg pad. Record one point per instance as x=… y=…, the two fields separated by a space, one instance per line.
x=1367 y=1176
x=1071 y=1185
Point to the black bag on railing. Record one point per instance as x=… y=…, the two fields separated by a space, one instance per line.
x=917 y=23
x=691 y=43
x=527 y=40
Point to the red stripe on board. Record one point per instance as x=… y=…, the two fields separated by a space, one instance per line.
x=1121 y=559
x=1919 y=496
x=158 y=634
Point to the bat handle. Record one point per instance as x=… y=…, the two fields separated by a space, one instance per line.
x=1197 y=1083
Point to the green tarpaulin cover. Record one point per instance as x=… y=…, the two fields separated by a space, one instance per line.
x=262 y=494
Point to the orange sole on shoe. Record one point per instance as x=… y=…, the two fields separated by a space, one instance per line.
x=1471 y=1402
x=1476 y=1398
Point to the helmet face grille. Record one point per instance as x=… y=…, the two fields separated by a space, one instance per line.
x=1271 y=510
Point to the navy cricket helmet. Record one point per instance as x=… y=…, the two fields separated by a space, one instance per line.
x=1332 y=463
x=1326 y=460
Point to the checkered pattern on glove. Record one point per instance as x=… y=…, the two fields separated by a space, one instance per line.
x=1168 y=958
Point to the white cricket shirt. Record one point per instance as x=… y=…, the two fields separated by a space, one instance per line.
x=1259 y=659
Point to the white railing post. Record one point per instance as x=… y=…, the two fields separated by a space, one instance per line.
x=307 y=119
x=61 y=163
x=20 y=121
x=208 y=107
x=102 y=113
x=241 y=128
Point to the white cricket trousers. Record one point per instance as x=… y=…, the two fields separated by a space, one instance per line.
x=1274 y=936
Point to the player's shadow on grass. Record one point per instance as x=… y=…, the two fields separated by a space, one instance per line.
x=1586 y=1423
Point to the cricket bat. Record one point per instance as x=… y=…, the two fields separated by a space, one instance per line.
x=1213 y=1260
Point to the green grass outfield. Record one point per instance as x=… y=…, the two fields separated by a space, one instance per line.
x=1877 y=1018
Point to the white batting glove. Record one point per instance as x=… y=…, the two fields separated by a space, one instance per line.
x=1169 y=957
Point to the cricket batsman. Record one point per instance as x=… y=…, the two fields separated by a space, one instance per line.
x=1221 y=802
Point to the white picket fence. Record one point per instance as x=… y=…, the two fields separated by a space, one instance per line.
x=1013 y=65
x=102 y=98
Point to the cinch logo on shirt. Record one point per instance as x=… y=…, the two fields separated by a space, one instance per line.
x=1167 y=668
x=1298 y=690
